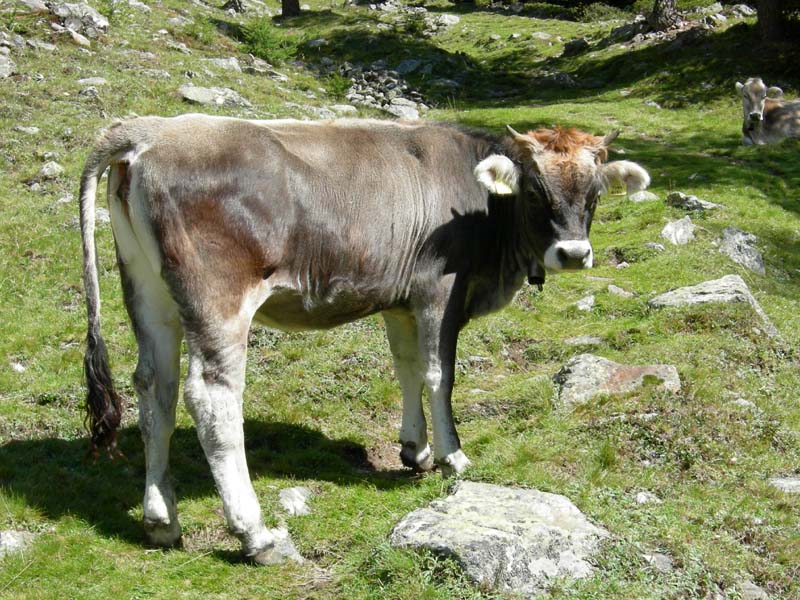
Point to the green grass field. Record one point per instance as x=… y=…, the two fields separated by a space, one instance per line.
x=323 y=409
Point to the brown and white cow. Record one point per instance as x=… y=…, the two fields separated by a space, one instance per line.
x=766 y=118
x=300 y=225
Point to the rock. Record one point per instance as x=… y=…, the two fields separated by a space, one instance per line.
x=26 y=130
x=575 y=47
x=89 y=92
x=226 y=64
x=623 y=265
x=742 y=403
x=642 y=196
x=139 y=5
x=155 y=73
x=788 y=485
x=282 y=550
x=212 y=96
x=80 y=18
x=730 y=288
x=618 y=291
x=652 y=104
x=448 y=20
x=37 y=45
x=628 y=31
x=179 y=46
x=750 y=591
x=102 y=215
x=654 y=246
x=79 y=39
x=514 y=540
x=18 y=367
x=7 y=66
x=408 y=66
x=541 y=35
x=687 y=202
x=586 y=376
x=716 y=7
x=714 y=20
x=12 y=541
x=402 y=112
x=33 y=5
x=344 y=109
x=50 y=170
x=739 y=246
x=92 y=81
x=317 y=43
x=293 y=500
x=495 y=37
x=660 y=562
x=679 y=232
x=584 y=340
x=647 y=498
x=742 y=10
x=586 y=303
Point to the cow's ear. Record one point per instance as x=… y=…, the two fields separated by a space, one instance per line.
x=601 y=149
x=775 y=92
x=739 y=87
x=527 y=142
x=498 y=174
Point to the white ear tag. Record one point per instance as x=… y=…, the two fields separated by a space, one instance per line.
x=498 y=174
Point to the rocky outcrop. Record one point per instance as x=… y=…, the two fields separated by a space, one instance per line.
x=514 y=540
x=587 y=376
x=80 y=18
x=688 y=202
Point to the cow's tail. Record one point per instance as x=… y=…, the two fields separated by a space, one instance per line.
x=103 y=403
x=633 y=175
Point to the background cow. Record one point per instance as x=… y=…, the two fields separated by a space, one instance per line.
x=766 y=117
x=220 y=221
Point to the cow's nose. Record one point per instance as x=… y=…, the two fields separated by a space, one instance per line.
x=755 y=116
x=569 y=255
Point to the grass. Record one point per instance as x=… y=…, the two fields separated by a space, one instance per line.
x=322 y=409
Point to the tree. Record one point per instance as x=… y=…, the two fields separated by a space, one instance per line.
x=664 y=15
x=290 y=8
x=771 y=19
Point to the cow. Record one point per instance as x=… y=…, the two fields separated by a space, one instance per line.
x=767 y=118
x=628 y=173
x=307 y=225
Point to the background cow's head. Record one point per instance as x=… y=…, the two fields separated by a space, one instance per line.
x=557 y=174
x=754 y=95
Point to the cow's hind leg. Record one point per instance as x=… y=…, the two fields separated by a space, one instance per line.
x=401 y=329
x=213 y=393
x=158 y=334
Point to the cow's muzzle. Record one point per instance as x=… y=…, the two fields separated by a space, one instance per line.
x=756 y=117
x=569 y=255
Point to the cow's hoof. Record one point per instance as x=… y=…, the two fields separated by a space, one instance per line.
x=419 y=461
x=453 y=464
x=161 y=534
x=270 y=555
x=279 y=550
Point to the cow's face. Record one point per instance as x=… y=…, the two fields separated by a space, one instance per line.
x=557 y=178
x=754 y=97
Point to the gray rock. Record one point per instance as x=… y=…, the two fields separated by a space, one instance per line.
x=12 y=541
x=33 y=5
x=178 y=46
x=156 y=73
x=714 y=20
x=212 y=96
x=730 y=288
x=408 y=66
x=38 y=45
x=679 y=232
x=402 y=112
x=647 y=498
x=344 y=109
x=50 y=170
x=750 y=591
x=139 y=5
x=102 y=215
x=92 y=81
x=282 y=550
x=448 y=20
x=586 y=303
x=742 y=10
x=495 y=37
x=618 y=291
x=7 y=66
x=79 y=39
x=742 y=403
x=584 y=340
x=26 y=130
x=89 y=92
x=226 y=64
x=80 y=17
x=586 y=376
x=317 y=43
x=740 y=247
x=788 y=485
x=541 y=35
x=294 y=500
x=575 y=46
x=660 y=562
x=714 y=8
x=629 y=30
x=642 y=196
x=654 y=246
x=514 y=540
x=688 y=202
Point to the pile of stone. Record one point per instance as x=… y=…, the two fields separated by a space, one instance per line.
x=379 y=87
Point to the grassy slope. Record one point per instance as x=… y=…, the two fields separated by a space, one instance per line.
x=320 y=406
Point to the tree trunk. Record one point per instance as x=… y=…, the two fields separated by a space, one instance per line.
x=664 y=15
x=290 y=8
x=771 y=20
x=237 y=5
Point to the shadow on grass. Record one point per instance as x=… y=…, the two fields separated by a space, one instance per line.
x=54 y=478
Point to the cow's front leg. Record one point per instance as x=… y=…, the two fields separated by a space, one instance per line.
x=214 y=387
x=438 y=335
x=401 y=329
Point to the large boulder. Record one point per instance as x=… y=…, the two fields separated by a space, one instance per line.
x=514 y=540
x=728 y=289
x=586 y=376
x=80 y=17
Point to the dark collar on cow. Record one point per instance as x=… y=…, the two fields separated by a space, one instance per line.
x=536 y=274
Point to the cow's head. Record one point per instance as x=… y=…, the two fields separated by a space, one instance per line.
x=754 y=96
x=556 y=176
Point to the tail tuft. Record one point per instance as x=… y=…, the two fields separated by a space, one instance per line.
x=103 y=404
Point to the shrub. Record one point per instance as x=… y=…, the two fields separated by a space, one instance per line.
x=264 y=40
